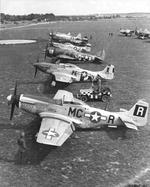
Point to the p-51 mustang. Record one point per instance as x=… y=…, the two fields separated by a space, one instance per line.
x=62 y=114
x=63 y=38
x=73 y=55
x=69 y=73
x=142 y=34
x=126 y=32
x=85 y=49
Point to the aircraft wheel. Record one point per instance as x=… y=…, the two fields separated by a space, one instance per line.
x=105 y=98
x=84 y=98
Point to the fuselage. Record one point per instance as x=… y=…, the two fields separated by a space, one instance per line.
x=70 y=46
x=89 y=116
x=61 y=37
x=71 y=70
x=126 y=32
x=74 y=55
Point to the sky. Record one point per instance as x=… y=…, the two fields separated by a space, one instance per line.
x=73 y=7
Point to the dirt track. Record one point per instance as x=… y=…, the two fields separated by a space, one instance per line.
x=100 y=158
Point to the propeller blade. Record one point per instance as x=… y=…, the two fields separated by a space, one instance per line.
x=35 y=71
x=37 y=60
x=45 y=55
x=46 y=51
x=12 y=111
x=15 y=90
x=13 y=101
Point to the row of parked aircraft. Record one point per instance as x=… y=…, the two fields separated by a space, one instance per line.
x=141 y=34
x=63 y=113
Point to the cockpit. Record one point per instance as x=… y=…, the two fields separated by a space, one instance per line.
x=67 y=98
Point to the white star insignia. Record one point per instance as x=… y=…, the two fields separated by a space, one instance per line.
x=95 y=117
x=84 y=74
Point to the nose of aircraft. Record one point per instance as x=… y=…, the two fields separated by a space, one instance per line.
x=36 y=64
x=9 y=97
x=40 y=65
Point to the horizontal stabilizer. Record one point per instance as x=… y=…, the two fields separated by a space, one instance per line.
x=130 y=126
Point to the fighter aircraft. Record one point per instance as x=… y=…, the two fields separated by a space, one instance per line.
x=69 y=73
x=85 y=49
x=142 y=34
x=73 y=55
x=126 y=32
x=62 y=114
x=62 y=37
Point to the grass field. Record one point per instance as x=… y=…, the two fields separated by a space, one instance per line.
x=104 y=158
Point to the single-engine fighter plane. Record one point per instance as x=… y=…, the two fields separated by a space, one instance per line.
x=126 y=32
x=62 y=114
x=84 y=49
x=142 y=34
x=73 y=55
x=62 y=37
x=69 y=73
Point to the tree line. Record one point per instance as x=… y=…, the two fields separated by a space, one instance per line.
x=51 y=17
x=29 y=17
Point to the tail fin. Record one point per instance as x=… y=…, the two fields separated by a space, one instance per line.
x=79 y=36
x=139 y=113
x=108 y=72
x=87 y=48
x=101 y=55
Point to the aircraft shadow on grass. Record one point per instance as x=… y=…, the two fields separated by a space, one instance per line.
x=35 y=153
x=114 y=134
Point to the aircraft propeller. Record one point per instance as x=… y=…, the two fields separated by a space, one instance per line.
x=36 y=69
x=46 y=51
x=13 y=100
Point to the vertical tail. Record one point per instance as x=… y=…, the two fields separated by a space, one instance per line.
x=101 y=55
x=108 y=72
x=87 y=48
x=79 y=36
x=139 y=113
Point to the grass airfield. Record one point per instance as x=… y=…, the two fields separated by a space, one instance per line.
x=107 y=157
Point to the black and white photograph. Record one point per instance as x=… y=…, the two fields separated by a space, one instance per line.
x=74 y=93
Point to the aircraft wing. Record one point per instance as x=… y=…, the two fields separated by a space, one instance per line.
x=55 y=129
x=65 y=57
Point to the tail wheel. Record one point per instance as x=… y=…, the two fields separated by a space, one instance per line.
x=105 y=98
x=84 y=98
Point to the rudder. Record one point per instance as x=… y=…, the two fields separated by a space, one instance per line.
x=139 y=113
x=108 y=72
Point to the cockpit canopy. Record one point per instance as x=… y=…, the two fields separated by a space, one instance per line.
x=67 y=98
